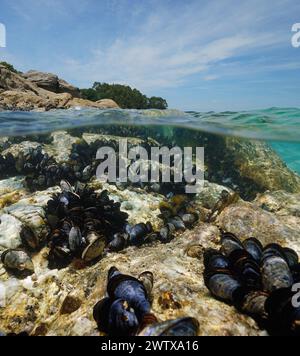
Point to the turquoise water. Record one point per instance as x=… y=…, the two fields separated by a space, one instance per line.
x=279 y=126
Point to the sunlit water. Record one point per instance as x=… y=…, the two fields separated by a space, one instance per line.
x=279 y=126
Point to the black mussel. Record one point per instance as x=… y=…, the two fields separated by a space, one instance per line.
x=119 y=242
x=152 y=237
x=230 y=243
x=128 y=288
x=59 y=256
x=122 y=319
x=138 y=233
x=246 y=268
x=223 y=285
x=272 y=250
x=214 y=260
x=95 y=248
x=254 y=248
x=254 y=304
x=75 y=239
x=296 y=273
x=18 y=261
x=276 y=273
x=283 y=309
x=29 y=238
x=183 y=327
x=177 y=222
x=66 y=187
x=101 y=314
x=166 y=233
x=291 y=257
x=115 y=318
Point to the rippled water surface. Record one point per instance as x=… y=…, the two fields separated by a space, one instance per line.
x=280 y=126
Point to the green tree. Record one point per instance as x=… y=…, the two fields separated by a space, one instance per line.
x=157 y=103
x=125 y=96
x=9 y=67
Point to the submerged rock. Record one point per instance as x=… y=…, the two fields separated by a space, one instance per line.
x=10 y=232
x=247 y=220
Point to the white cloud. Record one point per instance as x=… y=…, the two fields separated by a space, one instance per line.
x=173 y=44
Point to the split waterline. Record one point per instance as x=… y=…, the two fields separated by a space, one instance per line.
x=279 y=126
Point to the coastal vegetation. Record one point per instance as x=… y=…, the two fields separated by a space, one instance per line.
x=9 y=67
x=124 y=95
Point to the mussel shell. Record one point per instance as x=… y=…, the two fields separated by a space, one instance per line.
x=254 y=304
x=223 y=286
x=276 y=274
x=75 y=239
x=101 y=314
x=118 y=243
x=230 y=243
x=214 y=260
x=166 y=233
x=296 y=273
x=177 y=222
x=254 y=248
x=94 y=250
x=138 y=233
x=284 y=317
x=128 y=288
x=179 y=327
x=66 y=187
x=29 y=238
x=122 y=319
x=17 y=260
x=246 y=268
x=274 y=250
x=291 y=256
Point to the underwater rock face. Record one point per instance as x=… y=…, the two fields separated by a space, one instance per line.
x=247 y=220
x=10 y=232
x=178 y=291
x=35 y=303
x=210 y=194
x=257 y=162
x=280 y=202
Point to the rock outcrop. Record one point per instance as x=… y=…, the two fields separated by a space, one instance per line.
x=41 y=91
x=51 y=82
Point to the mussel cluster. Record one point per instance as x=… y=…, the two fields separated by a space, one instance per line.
x=126 y=311
x=43 y=171
x=7 y=165
x=257 y=280
x=178 y=215
x=83 y=222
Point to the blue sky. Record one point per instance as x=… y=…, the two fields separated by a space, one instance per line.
x=199 y=54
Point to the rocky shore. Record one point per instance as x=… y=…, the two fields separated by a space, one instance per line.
x=60 y=301
x=42 y=92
